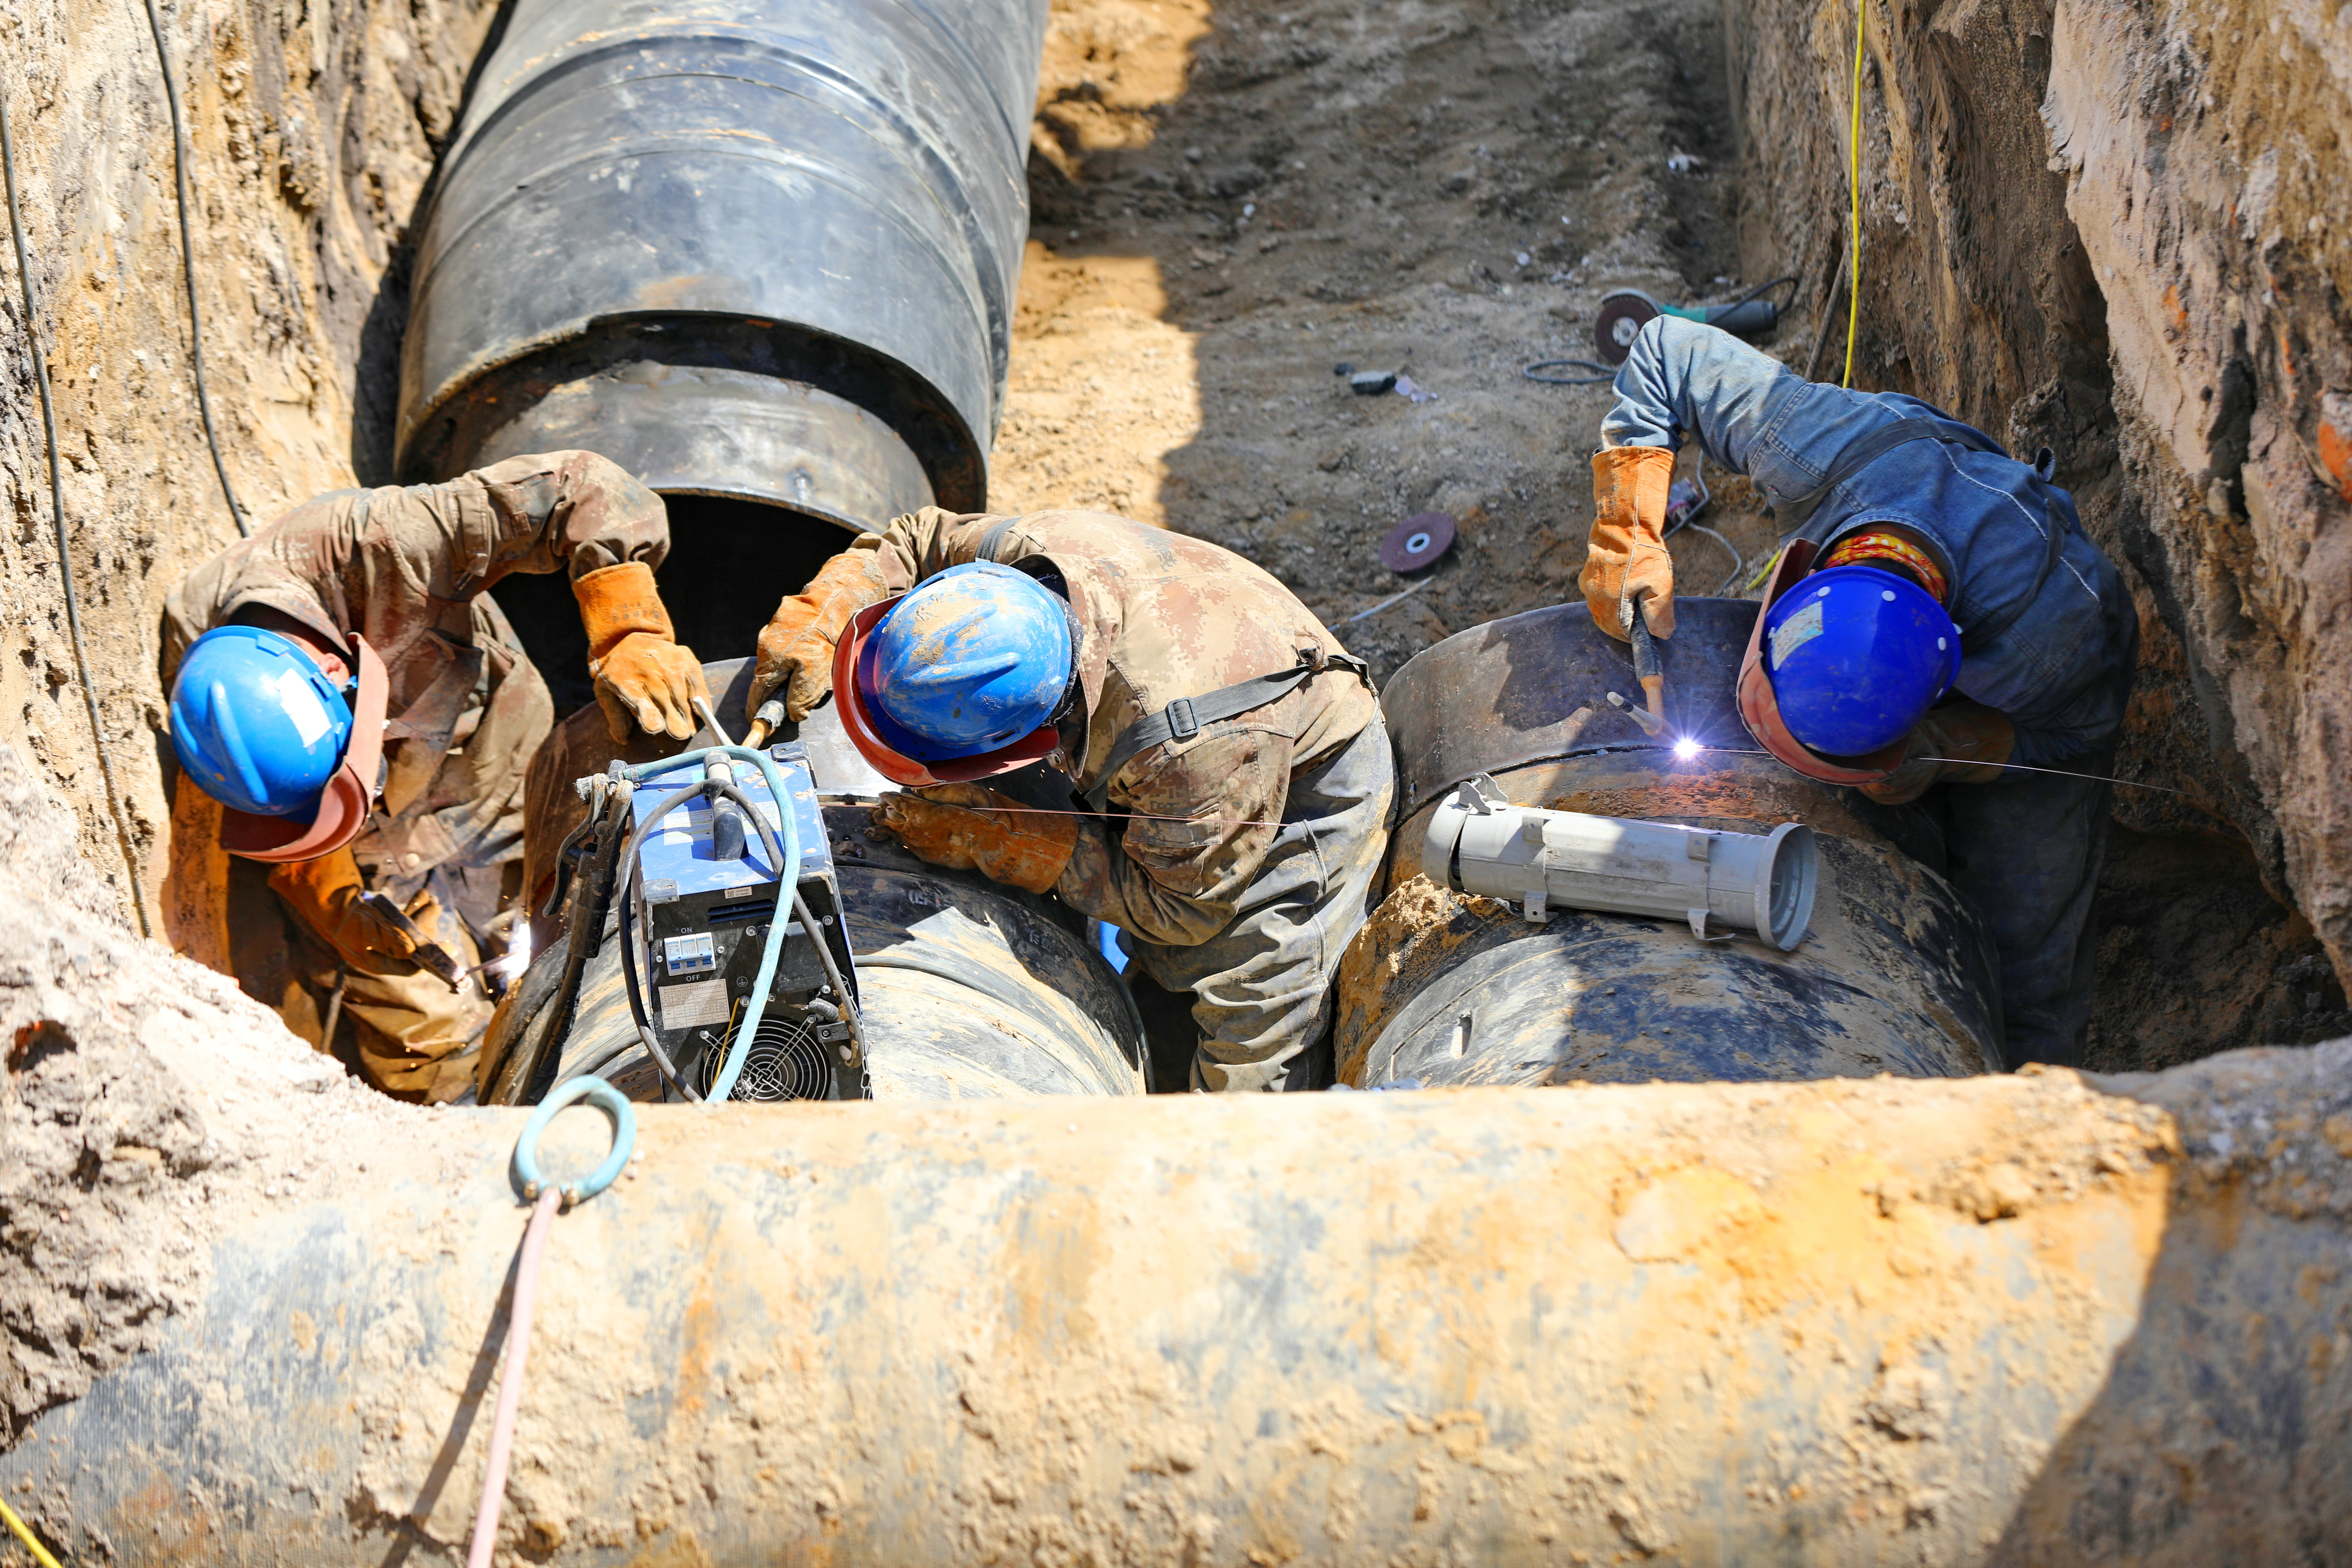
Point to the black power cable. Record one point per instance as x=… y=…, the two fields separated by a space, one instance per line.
x=57 y=507
x=180 y=159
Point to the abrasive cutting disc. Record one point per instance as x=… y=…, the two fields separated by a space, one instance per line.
x=1417 y=542
x=1621 y=315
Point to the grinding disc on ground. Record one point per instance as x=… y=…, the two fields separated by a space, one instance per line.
x=1417 y=542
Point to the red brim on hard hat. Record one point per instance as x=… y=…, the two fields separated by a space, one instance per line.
x=349 y=798
x=1759 y=710
x=858 y=721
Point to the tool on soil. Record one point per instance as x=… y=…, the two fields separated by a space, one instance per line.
x=547 y=1200
x=179 y=158
x=1421 y=539
x=1396 y=598
x=131 y=894
x=1624 y=312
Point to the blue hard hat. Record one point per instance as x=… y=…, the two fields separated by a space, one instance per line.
x=972 y=659
x=1855 y=655
x=257 y=723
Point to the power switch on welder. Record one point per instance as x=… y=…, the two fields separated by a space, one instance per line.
x=690 y=954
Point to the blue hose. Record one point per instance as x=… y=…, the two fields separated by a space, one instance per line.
x=789 y=835
x=624 y=1139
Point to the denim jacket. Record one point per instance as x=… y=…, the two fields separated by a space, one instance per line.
x=2060 y=670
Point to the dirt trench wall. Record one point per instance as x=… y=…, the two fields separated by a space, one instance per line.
x=2099 y=228
x=315 y=125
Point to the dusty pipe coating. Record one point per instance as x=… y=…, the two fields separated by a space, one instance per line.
x=2002 y=1319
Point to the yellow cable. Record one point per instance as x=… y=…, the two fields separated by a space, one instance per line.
x=1853 y=190
x=32 y=1544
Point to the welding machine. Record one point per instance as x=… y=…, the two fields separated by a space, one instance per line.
x=702 y=896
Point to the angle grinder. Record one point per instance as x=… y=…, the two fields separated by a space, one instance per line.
x=1625 y=312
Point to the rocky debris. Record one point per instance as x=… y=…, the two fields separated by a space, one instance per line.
x=117 y=1164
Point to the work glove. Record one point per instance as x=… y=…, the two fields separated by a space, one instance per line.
x=1977 y=737
x=324 y=895
x=642 y=677
x=1626 y=562
x=968 y=827
x=795 y=649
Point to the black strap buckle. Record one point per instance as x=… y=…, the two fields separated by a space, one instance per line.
x=1182 y=725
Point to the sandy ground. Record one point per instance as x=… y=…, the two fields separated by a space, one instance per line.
x=1232 y=202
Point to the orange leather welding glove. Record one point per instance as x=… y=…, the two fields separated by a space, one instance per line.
x=796 y=646
x=324 y=895
x=965 y=827
x=642 y=677
x=1626 y=563
x=1974 y=737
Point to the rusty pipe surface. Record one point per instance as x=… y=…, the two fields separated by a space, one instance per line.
x=2015 y=1319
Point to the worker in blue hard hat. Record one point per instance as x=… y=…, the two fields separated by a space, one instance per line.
x=1233 y=780
x=1938 y=630
x=350 y=708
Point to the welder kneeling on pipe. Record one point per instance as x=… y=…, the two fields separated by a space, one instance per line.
x=1229 y=749
x=1937 y=613
x=342 y=684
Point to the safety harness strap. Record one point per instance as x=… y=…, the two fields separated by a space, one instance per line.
x=1187 y=716
x=989 y=541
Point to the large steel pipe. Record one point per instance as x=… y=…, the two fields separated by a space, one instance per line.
x=764 y=250
x=1894 y=975
x=762 y=255
x=2008 y=1319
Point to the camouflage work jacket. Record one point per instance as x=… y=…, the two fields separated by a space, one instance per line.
x=1162 y=615
x=408 y=569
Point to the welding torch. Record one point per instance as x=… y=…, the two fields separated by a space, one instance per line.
x=1650 y=670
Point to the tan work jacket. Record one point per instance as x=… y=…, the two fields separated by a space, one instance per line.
x=408 y=569
x=1163 y=615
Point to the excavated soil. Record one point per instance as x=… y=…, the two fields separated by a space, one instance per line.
x=1231 y=201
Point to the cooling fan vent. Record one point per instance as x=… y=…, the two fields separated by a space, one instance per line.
x=786 y=1062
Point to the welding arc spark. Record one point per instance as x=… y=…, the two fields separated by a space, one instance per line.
x=1685 y=749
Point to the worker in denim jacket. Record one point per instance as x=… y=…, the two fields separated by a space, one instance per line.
x=2047 y=635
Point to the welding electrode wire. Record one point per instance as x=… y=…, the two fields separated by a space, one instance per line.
x=57 y=507
x=188 y=270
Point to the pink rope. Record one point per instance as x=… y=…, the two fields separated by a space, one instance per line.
x=502 y=1429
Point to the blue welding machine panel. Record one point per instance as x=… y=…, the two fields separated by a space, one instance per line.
x=679 y=849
